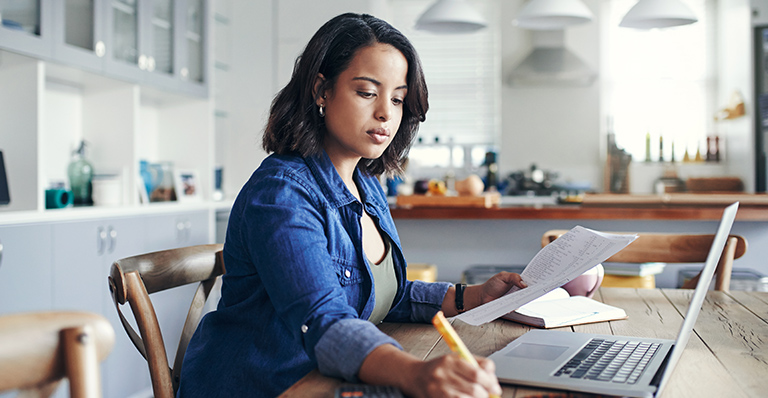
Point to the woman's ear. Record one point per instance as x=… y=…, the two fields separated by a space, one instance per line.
x=319 y=80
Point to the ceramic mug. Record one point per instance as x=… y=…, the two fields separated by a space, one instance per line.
x=587 y=283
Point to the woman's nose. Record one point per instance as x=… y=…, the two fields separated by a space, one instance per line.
x=384 y=111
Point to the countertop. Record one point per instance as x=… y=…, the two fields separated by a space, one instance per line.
x=704 y=207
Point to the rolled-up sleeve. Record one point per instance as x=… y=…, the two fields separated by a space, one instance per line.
x=426 y=299
x=345 y=345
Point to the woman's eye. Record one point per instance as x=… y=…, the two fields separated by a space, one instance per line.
x=397 y=101
x=365 y=94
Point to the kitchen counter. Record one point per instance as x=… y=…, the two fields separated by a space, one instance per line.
x=703 y=207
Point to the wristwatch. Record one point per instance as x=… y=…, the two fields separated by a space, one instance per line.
x=460 y=296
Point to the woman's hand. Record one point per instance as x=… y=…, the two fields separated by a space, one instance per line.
x=451 y=376
x=499 y=285
x=446 y=376
x=476 y=295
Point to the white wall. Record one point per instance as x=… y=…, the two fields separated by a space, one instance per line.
x=558 y=128
x=249 y=89
x=735 y=60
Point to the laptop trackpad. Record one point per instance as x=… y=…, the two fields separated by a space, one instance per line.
x=537 y=351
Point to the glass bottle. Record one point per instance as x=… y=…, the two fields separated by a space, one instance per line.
x=491 y=172
x=648 y=146
x=80 y=173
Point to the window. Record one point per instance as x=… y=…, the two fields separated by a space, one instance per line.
x=462 y=73
x=659 y=82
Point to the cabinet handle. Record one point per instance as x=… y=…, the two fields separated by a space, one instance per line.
x=187 y=230
x=180 y=230
x=101 y=240
x=1 y=253
x=100 y=49
x=112 y=239
x=151 y=64
x=184 y=72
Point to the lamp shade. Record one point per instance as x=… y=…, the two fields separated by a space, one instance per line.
x=451 y=16
x=552 y=14
x=650 y=14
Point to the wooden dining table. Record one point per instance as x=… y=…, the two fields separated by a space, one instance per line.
x=726 y=356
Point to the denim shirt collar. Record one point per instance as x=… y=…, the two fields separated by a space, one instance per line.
x=334 y=189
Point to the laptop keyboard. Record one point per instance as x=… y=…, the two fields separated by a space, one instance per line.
x=606 y=360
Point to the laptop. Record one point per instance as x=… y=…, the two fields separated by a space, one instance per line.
x=5 y=198
x=582 y=361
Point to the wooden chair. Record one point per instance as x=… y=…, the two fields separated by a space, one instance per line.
x=133 y=279
x=675 y=248
x=39 y=349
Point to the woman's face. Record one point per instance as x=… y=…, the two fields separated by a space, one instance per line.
x=364 y=108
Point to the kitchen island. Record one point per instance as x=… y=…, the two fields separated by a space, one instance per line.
x=454 y=238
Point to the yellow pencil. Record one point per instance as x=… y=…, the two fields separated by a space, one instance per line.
x=453 y=340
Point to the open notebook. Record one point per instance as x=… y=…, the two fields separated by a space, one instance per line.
x=558 y=308
x=607 y=364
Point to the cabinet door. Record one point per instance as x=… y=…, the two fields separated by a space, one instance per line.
x=123 y=58
x=158 y=35
x=26 y=27
x=125 y=372
x=177 y=230
x=78 y=271
x=194 y=47
x=25 y=268
x=84 y=253
x=79 y=39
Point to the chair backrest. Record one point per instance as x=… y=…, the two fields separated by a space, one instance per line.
x=39 y=349
x=133 y=279
x=675 y=248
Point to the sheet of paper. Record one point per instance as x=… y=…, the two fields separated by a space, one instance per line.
x=554 y=265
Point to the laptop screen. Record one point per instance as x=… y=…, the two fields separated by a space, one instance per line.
x=5 y=197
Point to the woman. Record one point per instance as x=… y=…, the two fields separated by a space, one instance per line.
x=312 y=255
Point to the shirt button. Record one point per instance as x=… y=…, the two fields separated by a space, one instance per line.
x=347 y=273
x=304 y=328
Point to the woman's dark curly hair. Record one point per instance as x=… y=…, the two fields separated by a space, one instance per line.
x=294 y=122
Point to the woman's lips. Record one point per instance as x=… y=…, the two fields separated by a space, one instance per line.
x=379 y=135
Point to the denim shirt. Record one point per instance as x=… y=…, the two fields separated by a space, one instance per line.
x=297 y=290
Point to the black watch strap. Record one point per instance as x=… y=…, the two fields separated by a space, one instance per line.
x=460 y=296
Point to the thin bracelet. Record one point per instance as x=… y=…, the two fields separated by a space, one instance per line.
x=460 y=296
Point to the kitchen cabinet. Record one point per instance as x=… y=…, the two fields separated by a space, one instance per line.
x=46 y=109
x=76 y=88
x=27 y=26
x=79 y=38
x=25 y=268
x=160 y=43
x=63 y=265
x=177 y=230
x=84 y=252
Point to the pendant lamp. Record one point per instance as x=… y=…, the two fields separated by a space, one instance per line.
x=650 y=14
x=552 y=14
x=451 y=16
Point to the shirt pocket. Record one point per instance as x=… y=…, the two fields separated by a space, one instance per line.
x=351 y=281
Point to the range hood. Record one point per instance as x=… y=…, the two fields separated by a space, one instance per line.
x=551 y=64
